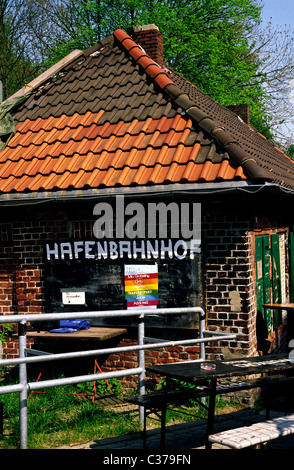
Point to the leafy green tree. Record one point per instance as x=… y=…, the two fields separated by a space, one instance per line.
x=205 y=40
x=16 y=67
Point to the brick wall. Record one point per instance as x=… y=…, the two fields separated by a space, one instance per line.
x=242 y=110
x=230 y=283
x=21 y=265
x=129 y=359
x=228 y=249
x=151 y=40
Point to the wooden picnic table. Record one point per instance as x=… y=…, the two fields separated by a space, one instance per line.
x=192 y=373
x=93 y=333
x=289 y=307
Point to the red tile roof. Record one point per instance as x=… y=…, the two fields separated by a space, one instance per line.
x=113 y=117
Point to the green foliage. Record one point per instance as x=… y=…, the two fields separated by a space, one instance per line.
x=103 y=387
x=174 y=384
x=16 y=67
x=290 y=151
x=5 y=332
x=261 y=122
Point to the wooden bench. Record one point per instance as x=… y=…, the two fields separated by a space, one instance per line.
x=157 y=402
x=256 y=434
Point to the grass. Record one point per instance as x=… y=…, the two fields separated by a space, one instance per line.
x=66 y=415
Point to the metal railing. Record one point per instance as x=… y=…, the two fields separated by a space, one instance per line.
x=144 y=343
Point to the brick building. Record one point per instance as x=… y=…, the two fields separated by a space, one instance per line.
x=114 y=121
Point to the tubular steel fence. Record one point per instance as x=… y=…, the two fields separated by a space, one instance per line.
x=23 y=386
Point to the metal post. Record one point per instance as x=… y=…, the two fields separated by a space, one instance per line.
x=141 y=364
x=202 y=329
x=202 y=345
x=23 y=395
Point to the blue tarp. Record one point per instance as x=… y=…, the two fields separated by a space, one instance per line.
x=69 y=326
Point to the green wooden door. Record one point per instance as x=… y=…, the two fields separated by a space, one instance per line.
x=291 y=266
x=290 y=319
x=263 y=277
x=276 y=278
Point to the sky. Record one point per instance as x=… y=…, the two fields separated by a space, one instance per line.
x=281 y=12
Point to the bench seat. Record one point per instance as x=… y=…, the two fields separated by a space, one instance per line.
x=160 y=399
x=255 y=434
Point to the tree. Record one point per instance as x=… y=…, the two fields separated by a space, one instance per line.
x=290 y=151
x=219 y=45
x=275 y=47
x=205 y=40
x=16 y=66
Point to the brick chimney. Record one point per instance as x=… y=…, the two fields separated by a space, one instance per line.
x=241 y=110
x=150 y=39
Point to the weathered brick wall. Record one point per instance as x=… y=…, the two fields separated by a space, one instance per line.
x=230 y=283
x=21 y=265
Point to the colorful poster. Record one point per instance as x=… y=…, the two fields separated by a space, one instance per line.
x=141 y=286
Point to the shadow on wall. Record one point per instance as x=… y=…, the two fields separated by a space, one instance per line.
x=263 y=343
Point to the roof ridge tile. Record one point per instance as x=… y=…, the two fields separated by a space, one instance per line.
x=155 y=72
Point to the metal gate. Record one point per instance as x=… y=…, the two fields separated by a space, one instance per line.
x=23 y=387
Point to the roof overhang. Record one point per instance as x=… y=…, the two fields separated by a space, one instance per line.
x=180 y=189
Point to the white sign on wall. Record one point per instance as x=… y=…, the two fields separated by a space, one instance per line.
x=73 y=298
